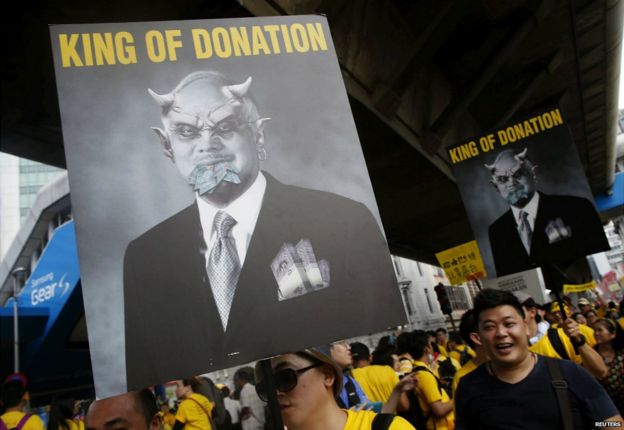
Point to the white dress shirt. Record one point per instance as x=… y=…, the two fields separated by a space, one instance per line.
x=244 y=210
x=530 y=208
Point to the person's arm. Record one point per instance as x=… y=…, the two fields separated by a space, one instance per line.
x=428 y=386
x=397 y=398
x=590 y=358
x=440 y=408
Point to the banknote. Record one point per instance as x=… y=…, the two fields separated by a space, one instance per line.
x=324 y=268
x=205 y=178
x=308 y=259
x=288 y=270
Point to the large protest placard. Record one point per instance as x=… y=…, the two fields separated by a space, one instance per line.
x=462 y=263
x=222 y=203
x=526 y=195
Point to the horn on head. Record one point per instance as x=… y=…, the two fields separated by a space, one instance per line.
x=520 y=156
x=164 y=101
x=490 y=167
x=239 y=90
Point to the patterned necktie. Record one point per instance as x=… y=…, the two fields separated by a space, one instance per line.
x=223 y=265
x=524 y=228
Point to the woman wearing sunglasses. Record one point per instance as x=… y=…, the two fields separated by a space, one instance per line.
x=307 y=384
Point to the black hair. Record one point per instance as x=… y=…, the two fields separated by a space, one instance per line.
x=61 y=409
x=491 y=298
x=243 y=373
x=455 y=337
x=403 y=342
x=414 y=343
x=146 y=403
x=359 y=351
x=383 y=356
x=468 y=325
x=225 y=391
x=192 y=382
x=12 y=393
x=386 y=341
x=443 y=330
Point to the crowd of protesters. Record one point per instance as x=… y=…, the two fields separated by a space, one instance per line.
x=498 y=371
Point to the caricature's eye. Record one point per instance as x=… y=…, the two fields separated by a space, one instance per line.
x=225 y=127
x=186 y=131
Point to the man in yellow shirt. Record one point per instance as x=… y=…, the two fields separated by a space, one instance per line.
x=585 y=330
x=195 y=410
x=469 y=331
x=458 y=350
x=441 y=339
x=435 y=405
x=376 y=381
x=15 y=399
x=567 y=342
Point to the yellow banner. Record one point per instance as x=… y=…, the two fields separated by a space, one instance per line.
x=462 y=263
x=568 y=288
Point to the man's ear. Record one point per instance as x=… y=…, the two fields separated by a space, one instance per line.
x=164 y=142
x=156 y=423
x=329 y=376
x=260 y=130
x=476 y=339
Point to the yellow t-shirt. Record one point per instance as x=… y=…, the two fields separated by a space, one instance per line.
x=438 y=360
x=588 y=332
x=364 y=420
x=544 y=347
x=427 y=392
x=75 y=425
x=621 y=322
x=585 y=330
x=465 y=369
x=192 y=415
x=11 y=419
x=376 y=381
x=442 y=349
x=457 y=352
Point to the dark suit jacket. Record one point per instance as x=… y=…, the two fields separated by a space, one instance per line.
x=577 y=213
x=172 y=324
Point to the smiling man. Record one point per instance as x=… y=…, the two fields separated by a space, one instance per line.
x=515 y=388
x=538 y=228
x=225 y=268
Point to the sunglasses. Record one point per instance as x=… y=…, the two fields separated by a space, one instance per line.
x=285 y=381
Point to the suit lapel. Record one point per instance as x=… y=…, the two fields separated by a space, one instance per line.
x=194 y=267
x=515 y=245
x=256 y=292
x=539 y=240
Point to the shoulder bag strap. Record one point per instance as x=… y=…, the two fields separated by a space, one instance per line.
x=382 y=421
x=206 y=412
x=3 y=425
x=555 y=341
x=22 y=422
x=426 y=369
x=561 y=390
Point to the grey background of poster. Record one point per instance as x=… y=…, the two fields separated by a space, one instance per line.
x=121 y=184
x=559 y=172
